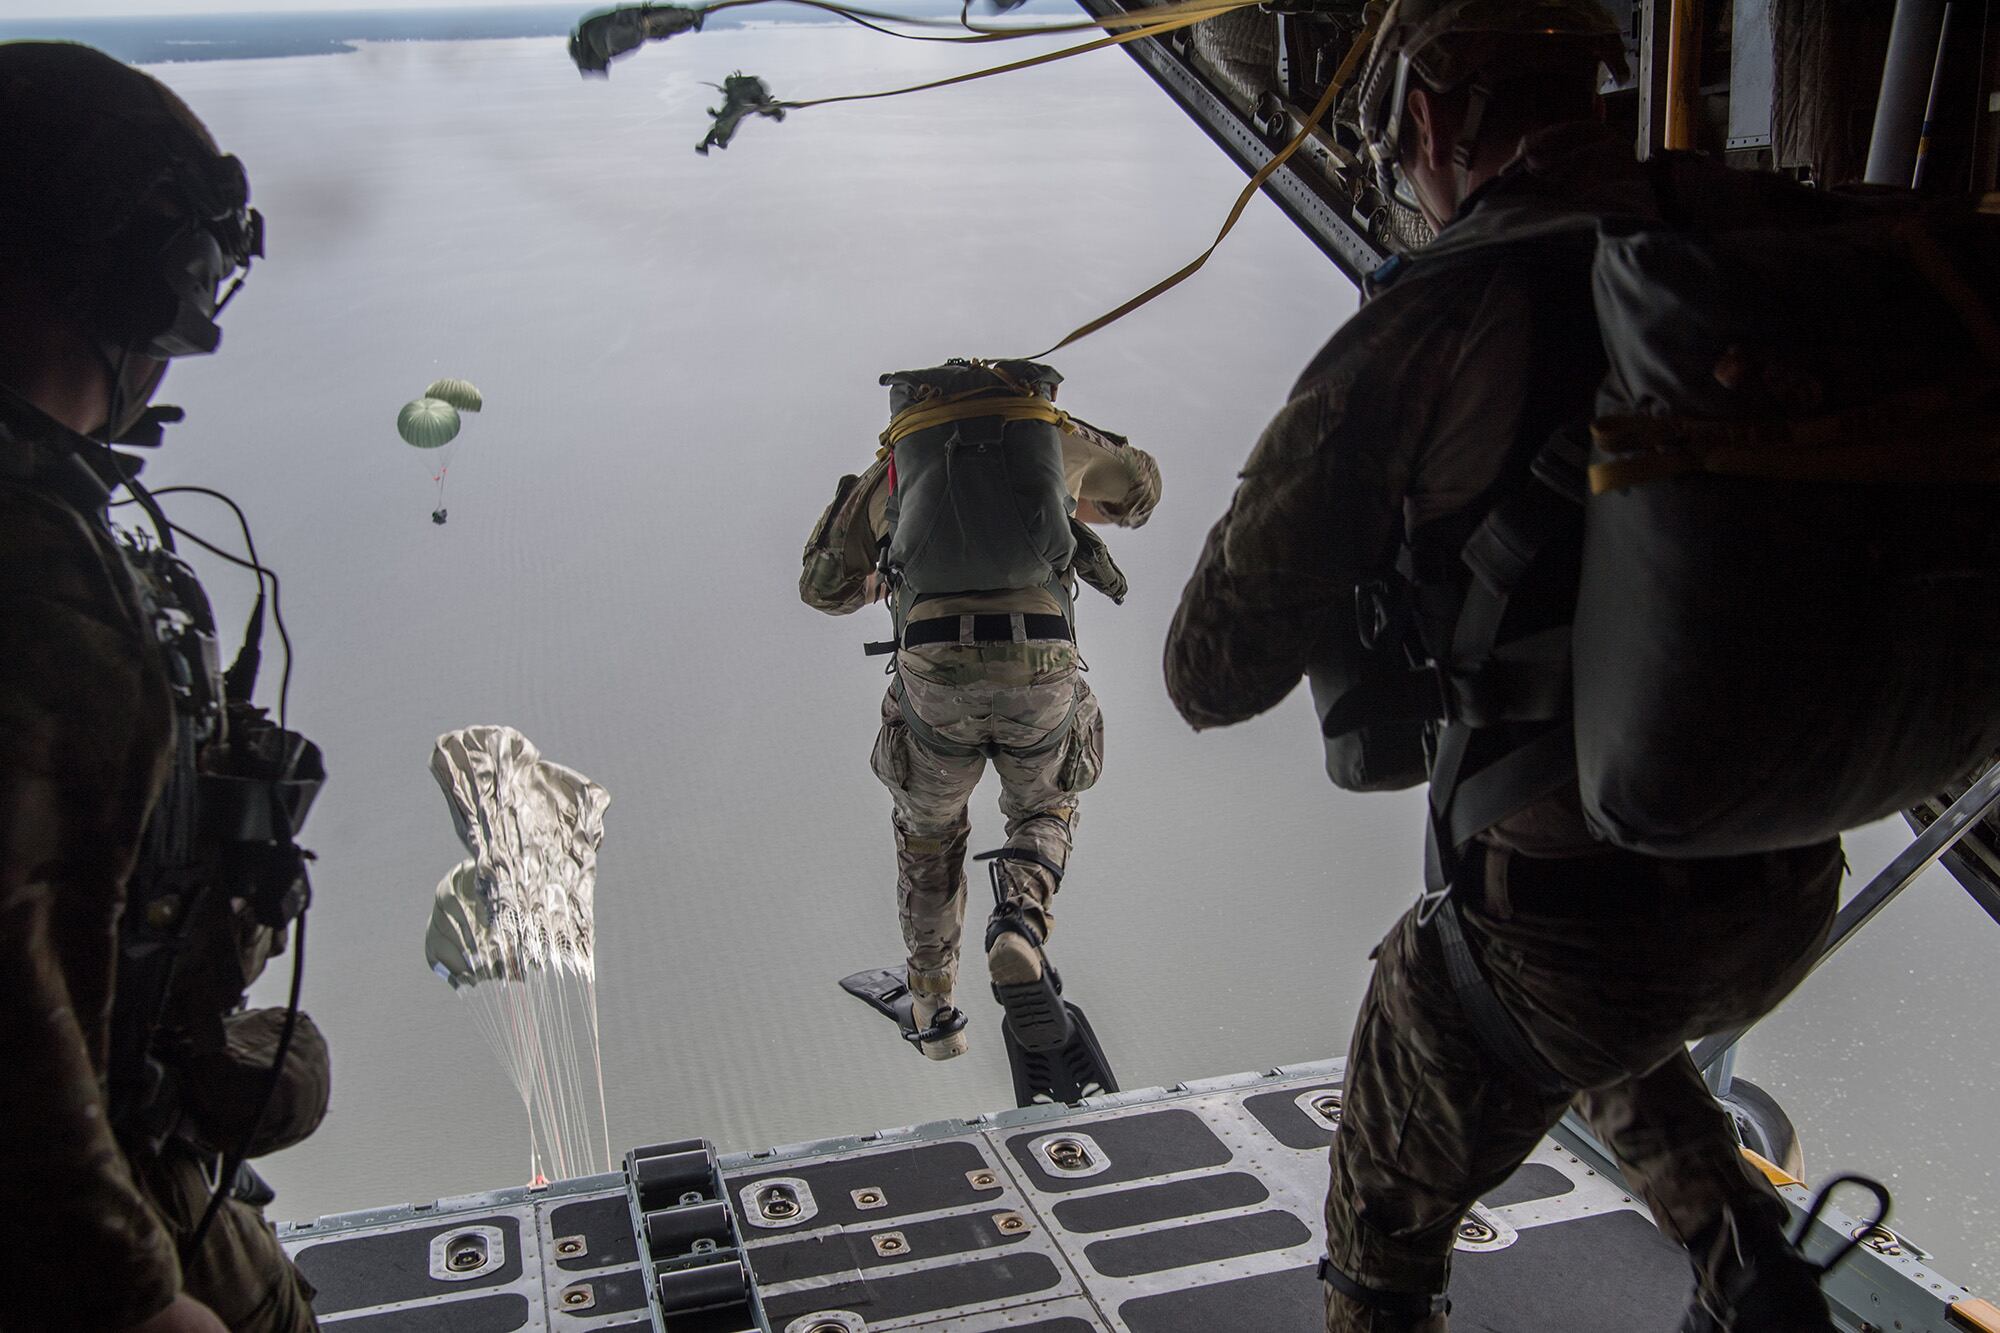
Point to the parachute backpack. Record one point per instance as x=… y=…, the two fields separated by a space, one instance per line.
x=1777 y=537
x=978 y=500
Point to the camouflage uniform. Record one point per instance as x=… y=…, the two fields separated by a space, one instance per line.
x=1608 y=961
x=1013 y=695
x=85 y=719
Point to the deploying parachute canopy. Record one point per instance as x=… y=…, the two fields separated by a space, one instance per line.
x=512 y=930
x=428 y=423
x=432 y=423
x=459 y=393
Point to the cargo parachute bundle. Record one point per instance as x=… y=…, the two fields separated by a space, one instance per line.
x=513 y=927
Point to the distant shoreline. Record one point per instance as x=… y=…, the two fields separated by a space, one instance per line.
x=201 y=37
x=205 y=37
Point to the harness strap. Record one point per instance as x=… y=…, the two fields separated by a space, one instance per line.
x=1494 y=1026
x=1411 y=1305
x=1027 y=854
x=1525 y=681
x=1518 y=778
x=1008 y=917
x=941 y=412
x=987 y=627
x=1500 y=551
x=1860 y=445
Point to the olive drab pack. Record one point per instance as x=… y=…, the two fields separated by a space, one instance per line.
x=978 y=500
x=1788 y=622
x=1777 y=536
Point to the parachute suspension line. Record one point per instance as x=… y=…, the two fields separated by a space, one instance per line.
x=873 y=18
x=1188 y=270
x=574 y=993
x=1186 y=16
x=597 y=1067
x=496 y=1011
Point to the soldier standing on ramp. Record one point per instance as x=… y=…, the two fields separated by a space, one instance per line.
x=1601 y=963
x=133 y=911
x=971 y=523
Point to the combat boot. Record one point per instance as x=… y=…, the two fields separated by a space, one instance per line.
x=940 y=1026
x=1752 y=1278
x=1772 y=1292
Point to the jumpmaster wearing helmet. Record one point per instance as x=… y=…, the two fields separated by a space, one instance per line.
x=119 y=202
x=1477 y=46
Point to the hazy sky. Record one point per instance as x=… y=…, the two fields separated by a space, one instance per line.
x=76 y=9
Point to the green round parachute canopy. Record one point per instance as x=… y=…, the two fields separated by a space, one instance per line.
x=459 y=393
x=428 y=423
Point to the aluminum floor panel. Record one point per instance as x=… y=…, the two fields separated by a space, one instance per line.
x=1188 y=1210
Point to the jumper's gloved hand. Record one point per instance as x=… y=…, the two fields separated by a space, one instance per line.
x=1094 y=565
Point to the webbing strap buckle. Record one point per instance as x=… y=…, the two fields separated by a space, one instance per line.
x=1403 y=1304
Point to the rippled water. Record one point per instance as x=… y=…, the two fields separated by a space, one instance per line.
x=679 y=356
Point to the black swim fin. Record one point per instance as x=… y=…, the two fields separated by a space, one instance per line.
x=1069 y=1073
x=886 y=990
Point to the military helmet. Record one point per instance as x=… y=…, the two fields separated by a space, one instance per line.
x=1448 y=44
x=113 y=188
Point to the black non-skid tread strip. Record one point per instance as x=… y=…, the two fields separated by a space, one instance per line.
x=904 y=1295
x=606 y=1227
x=1277 y=1302
x=1146 y=1143
x=922 y=1179
x=395 y=1265
x=1613 y=1271
x=1196 y=1243
x=1533 y=1180
x=1279 y=1112
x=1160 y=1203
x=615 y=1293
x=854 y=1248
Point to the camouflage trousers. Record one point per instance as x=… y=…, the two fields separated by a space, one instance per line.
x=240 y=1271
x=1609 y=964
x=1011 y=698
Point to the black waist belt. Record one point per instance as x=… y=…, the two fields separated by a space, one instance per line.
x=991 y=627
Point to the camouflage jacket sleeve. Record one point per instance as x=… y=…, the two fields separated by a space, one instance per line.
x=83 y=736
x=1268 y=578
x=1120 y=479
x=840 y=554
x=1387 y=428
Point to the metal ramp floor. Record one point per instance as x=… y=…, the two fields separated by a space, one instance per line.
x=1190 y=1210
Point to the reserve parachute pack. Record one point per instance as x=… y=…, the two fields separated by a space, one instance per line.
x=977 y=496
x=1780 y=532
